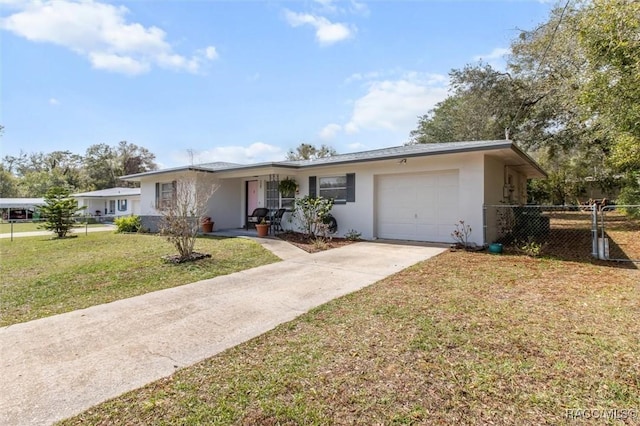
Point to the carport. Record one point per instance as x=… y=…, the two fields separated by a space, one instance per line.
x=19 y=208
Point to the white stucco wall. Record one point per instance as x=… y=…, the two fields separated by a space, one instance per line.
x=222 y=207
x=101 y=204
x=360 y=215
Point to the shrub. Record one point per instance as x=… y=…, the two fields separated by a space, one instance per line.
x=531 y=247
x=128 y=223
x=311 y=213
x=461 y=234
x=630 y=195
x=352 y=235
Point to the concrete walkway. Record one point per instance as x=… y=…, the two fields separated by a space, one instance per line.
x=56 y=367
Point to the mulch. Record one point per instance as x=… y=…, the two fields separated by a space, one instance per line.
x=310 y=245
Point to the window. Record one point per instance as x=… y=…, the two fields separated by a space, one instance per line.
x=334 y=187
x=164 y=194
x=112 y=206
x=342 y=189
x=272 y=195
x=274 y=200
x=122 y=205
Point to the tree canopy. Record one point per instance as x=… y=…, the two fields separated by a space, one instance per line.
x=307 y=151
x=32 y=175
x=570 y=95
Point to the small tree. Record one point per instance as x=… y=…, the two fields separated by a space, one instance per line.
x=311 y=212
x=181 y=217
x=59 y=210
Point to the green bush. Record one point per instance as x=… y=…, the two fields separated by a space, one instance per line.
x=630 y=195
x=128 y=223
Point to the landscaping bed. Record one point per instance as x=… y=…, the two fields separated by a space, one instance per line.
x=310 y=245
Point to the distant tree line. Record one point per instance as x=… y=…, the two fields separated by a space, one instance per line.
x=33 y=174
x=570 y=95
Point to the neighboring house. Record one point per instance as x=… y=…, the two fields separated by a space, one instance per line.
x=414 y=192
x=20 y=208
x=111 y=202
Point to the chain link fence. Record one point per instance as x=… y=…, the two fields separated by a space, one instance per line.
x=619 y=232
x=581 y=232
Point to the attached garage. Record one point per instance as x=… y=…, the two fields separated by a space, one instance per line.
x=417 y=206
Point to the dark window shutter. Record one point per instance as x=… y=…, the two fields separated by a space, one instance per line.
x=174 y=193
x=351 y=187
x=157 y=195
x=312 y=187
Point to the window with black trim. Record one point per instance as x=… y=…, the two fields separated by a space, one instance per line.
x=165 y=193
x=334 y=187
x=122 y=205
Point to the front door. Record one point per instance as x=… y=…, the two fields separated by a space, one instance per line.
x=252 y=196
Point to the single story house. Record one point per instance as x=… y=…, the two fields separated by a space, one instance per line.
x=413 y=192
x=20 y=208
x=110 y=202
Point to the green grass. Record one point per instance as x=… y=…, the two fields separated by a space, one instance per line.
x=464 y=338
x=42 y=276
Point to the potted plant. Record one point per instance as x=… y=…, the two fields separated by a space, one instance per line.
x=288 y=187
x=262 y=228
x=207 y=225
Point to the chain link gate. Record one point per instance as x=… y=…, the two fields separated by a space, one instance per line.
x=618 y=233
x=575 y=232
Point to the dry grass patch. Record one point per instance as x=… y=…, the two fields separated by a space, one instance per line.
x=465 y=338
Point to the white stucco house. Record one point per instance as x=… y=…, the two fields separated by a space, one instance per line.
x=111 y=202
x=413 y=192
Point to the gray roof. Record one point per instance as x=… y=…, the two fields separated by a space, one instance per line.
x=21 y=203
x=417 y=150
x=404 y=151
x=109 y=192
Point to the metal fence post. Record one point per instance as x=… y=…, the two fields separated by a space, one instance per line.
x=594 y=232
x=484 y=224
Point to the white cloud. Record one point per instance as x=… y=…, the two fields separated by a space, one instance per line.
x=211 y=53
x=495 y=58
x=113 y=62
x=330 y=131
x=54 y=102
x=257 y=152
x=328 y=5
x=327 y=32
x=101 y=33
x=395 y=104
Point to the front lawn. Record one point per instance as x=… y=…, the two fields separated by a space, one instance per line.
x=41 y=276
x=464 y=338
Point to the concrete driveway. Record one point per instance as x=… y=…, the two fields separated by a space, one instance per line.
x=56 y=367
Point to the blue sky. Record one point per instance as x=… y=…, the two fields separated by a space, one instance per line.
x=240 y=81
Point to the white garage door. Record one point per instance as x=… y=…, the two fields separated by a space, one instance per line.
x=418 y=207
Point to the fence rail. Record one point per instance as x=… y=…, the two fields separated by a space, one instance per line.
x=569 y=232
x=15 y=226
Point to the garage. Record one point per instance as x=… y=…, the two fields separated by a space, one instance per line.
x=417 y=206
